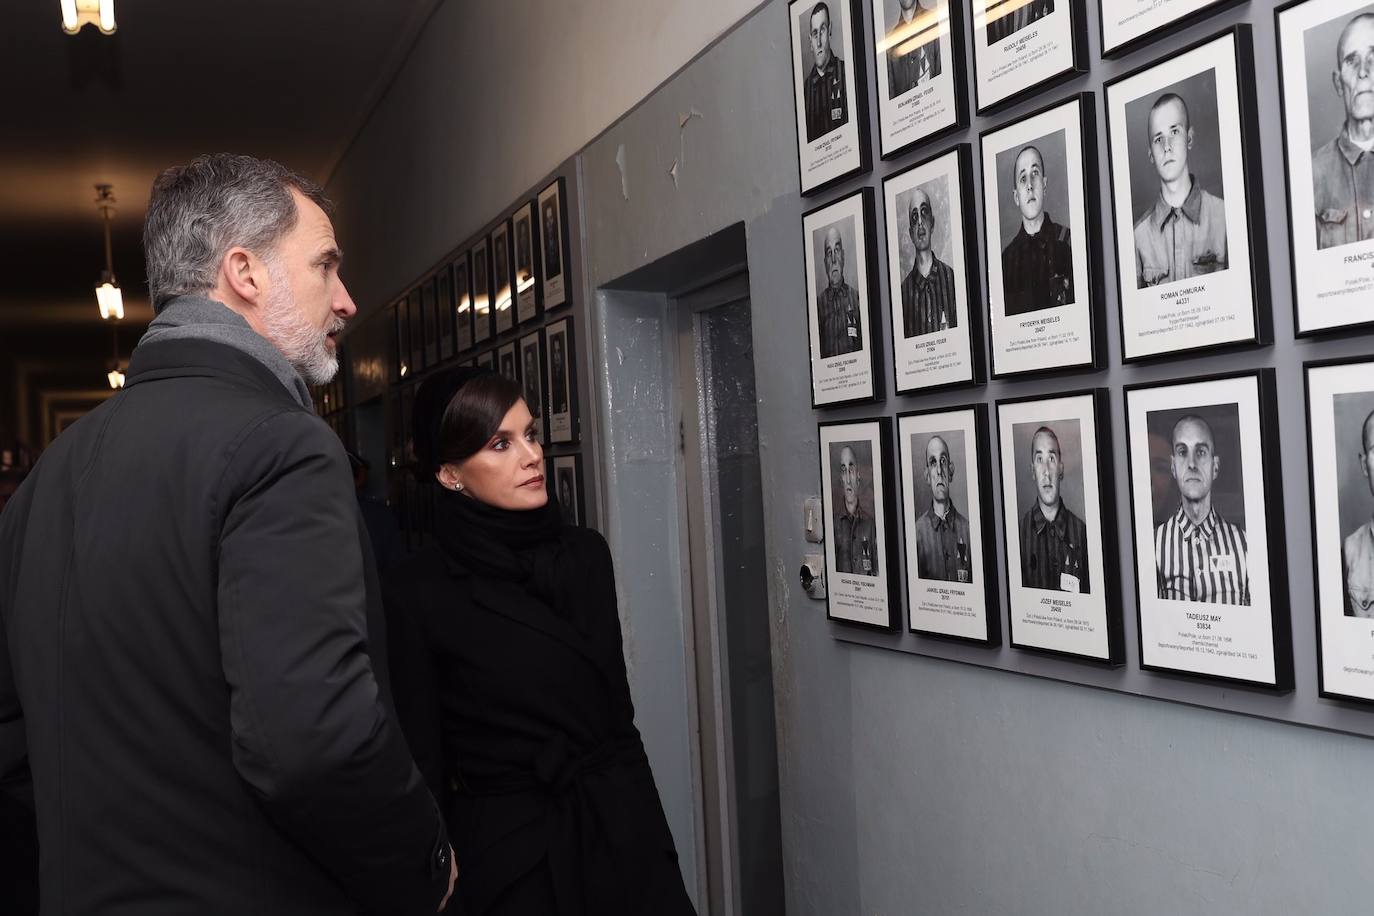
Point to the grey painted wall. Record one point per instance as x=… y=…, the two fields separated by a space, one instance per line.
x=916 y=784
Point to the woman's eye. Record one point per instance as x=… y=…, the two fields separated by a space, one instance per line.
x=500 y=444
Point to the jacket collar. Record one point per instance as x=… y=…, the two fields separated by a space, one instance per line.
x=192 y=358
x=1192 y=205
x=518 y=605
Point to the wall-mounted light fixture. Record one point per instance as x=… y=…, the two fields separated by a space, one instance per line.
x=107 y=294
x=77 y=14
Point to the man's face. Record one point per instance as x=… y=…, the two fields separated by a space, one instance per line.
x=1195 y=461
x=907 y=5
x=922 y=220
x=1354 y=75
x=550 y=221
x=557 y=357
x=820 y=38
x=307 y=305
x=939 y=469
x=834 y=257
x=1048 y=467
x=849 y=479
x=1029 y=190
x=1170 y=139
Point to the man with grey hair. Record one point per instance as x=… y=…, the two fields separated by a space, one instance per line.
x=1343 y=167
x=204 y=702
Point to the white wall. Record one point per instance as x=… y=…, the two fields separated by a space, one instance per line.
x=496 y=94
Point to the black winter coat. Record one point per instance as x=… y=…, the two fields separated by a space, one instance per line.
x=523 y=721
x=183 y=591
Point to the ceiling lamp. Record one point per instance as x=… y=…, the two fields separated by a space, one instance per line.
x=116 y=377
x=107 y=294
x=79 y=13
x=116 y=373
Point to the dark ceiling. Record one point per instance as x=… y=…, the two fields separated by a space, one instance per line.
x=286 y=79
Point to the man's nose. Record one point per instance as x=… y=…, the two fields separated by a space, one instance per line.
x=343 y=302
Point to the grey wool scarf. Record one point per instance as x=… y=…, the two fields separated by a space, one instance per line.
x=199 y=318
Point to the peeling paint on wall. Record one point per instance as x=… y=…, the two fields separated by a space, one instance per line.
x=624 y=179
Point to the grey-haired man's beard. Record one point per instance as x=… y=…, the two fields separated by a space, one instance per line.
x=305 y=346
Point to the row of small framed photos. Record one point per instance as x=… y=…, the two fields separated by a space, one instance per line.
x=1184 y=170
x=508 y=277
x=1020 y=47
x=1205 y=515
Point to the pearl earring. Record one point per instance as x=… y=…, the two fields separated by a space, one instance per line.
x=458 y=485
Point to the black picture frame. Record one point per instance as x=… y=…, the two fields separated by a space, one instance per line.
x=507 y=360
x=868 y=272
x=1318 y=570
x=1078 y=40
x=1178 y=24
x=443 y=304
x=1275 y=531
x=988 y=569
x=858 y=105
x=890 y=554
x=1106 y=489
x=529 y=290
x=959 y=69
x=557 y=287
x=1300 y=330
x=976 y=303
x=554 y=468
x=559 y=338
x=483 y=324
x=1092 y=209
x=401 y=337
x=532 y=344
x=502 y=277
x=462 y=302
x=1252 y=181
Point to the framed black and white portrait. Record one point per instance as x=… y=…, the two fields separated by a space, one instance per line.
x=443 y=298
x=841 y=304
x=564 y=475
x=1207 y=521
x=918 y=65
x=932 y=282
x=951 y=551
x=828 y=82
x=502 y=267
x=1183 y=144
x=533 y=381
x=528 y=291
x=1040 y=208
x=482 y=325
x=1025 y=46
x=462 y=301
x=1340 y=424
x=1126 y=25
x=1062 y=589
x=553 y=238
x=1328 y=127
x=562 y=390
x=857 y=499
x=508 y=361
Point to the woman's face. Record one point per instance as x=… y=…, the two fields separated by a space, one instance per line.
x=507 y=472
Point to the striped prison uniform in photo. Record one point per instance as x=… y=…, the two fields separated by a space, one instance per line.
x=1207 y=562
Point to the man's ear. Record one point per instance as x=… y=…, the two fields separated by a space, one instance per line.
x=245 y=274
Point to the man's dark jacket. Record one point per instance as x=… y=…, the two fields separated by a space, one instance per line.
x=184 y=592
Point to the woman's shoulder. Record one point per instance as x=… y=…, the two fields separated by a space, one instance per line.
x=587 y=543
x=416 y=573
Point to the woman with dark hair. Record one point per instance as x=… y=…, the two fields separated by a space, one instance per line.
x=509 y=677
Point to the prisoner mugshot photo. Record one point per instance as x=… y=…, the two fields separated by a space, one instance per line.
x=824 y=59
x=1032 y=215
x=939 y=476
x=1052 y=531
x=1353 y=420
x=1200 y=541
x=1340 y=105
x=928 y=282
x=1007 y=17
x=853 y=526
x=913 y=43
x=1176 y=182
x=839 y=309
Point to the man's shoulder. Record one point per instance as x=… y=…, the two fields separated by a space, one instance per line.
x=1358 y=545
x=1071 y=519
x=1212 y=204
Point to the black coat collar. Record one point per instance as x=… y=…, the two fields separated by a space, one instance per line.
x=165 y=359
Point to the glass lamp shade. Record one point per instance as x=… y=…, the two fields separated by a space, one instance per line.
x=79 y=13
x=116 y=377
x=111 y=301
